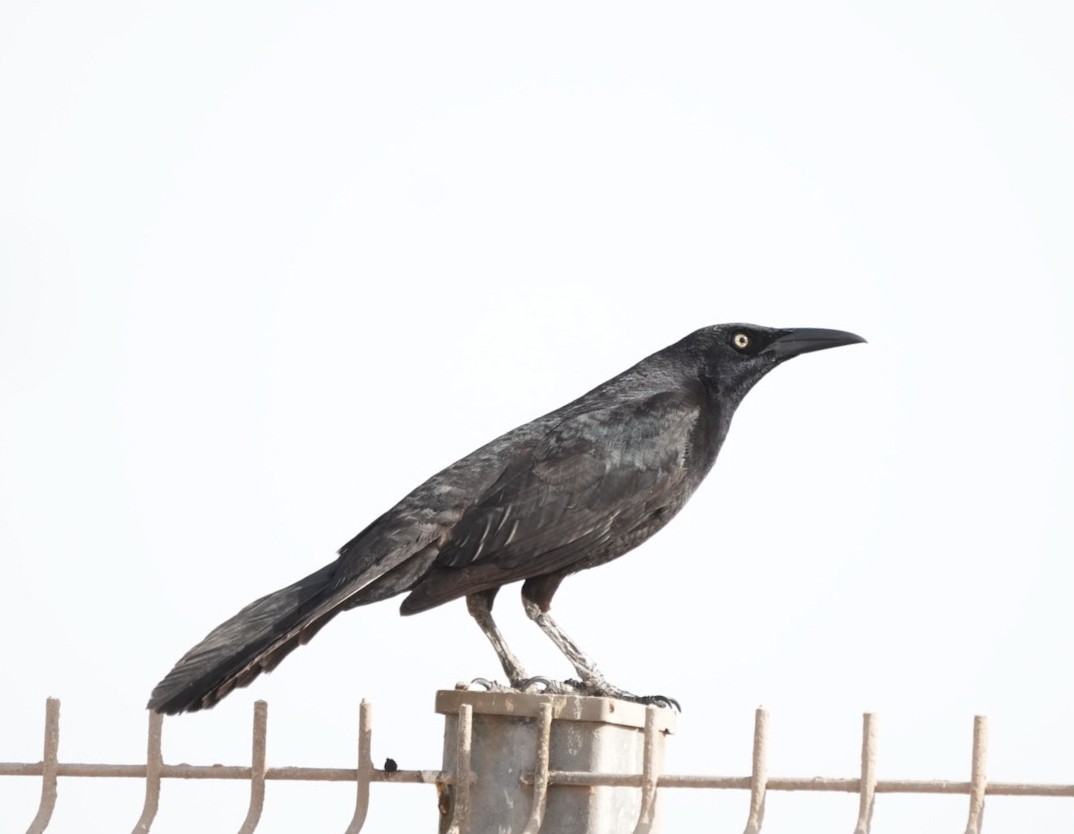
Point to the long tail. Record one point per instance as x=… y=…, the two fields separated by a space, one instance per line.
x=253 y=641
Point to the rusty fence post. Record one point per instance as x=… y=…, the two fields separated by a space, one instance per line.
x=522 y=749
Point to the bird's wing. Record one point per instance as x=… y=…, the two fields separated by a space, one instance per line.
x=591 y=477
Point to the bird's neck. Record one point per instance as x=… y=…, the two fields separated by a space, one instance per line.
x=713 y=422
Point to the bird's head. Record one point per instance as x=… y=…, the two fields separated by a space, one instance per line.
x=735 y=356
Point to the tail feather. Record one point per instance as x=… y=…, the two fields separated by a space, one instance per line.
x=253 y=641
x=385 y=559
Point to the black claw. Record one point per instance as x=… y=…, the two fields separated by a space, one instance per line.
x=606 y=690
x=661 y=701
x=549 y=686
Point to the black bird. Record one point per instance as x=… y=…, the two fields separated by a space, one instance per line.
x=570 y=490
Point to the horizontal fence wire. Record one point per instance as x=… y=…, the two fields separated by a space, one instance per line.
x=649 y=782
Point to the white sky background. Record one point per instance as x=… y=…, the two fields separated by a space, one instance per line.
x=265 y=267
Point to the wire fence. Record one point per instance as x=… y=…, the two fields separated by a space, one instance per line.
x=649 y=782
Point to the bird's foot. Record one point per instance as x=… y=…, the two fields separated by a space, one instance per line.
x=485 y=683
x=550 y=687
x=597 y=686
x=537 y=685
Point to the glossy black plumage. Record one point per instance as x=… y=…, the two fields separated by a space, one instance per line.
x=567 y=491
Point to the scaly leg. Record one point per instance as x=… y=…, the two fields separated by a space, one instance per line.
x=536 y=599
x=480 y=607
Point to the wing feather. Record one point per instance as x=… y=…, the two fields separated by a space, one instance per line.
x=589 y=478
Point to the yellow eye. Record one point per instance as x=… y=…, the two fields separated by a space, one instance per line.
x=741 y=340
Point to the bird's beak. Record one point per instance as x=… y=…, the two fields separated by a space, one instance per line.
x=808 y=339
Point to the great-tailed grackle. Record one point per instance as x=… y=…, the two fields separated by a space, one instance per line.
x=570 y=490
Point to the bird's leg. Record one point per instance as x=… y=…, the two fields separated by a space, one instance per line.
x=583 y=665
x=480 y=607
x=536 y=599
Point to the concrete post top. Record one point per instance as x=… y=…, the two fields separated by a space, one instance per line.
x=564 y=707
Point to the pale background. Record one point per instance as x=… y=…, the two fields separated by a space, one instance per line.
x=264 y=267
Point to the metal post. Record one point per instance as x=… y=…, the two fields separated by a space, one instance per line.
x=513 y=766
